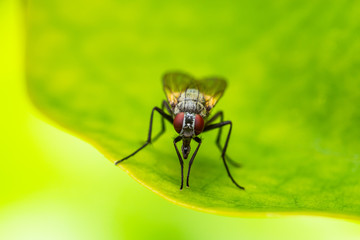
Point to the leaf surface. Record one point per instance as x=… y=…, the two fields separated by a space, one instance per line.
x=293 y=95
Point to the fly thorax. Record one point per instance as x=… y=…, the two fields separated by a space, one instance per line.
x=188 y=125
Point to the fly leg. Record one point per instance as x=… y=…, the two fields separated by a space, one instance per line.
x=220 y=125
x=164 y=104
x=198 y=140
x=163 y=115
x=221 y=115
x=177 y=139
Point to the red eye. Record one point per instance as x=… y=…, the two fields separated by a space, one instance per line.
x=199 y=124
x=178 y=122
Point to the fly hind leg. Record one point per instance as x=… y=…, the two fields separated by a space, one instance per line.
x=223 y=153
x=221 y=115
x=149 y=140
x=164 y=104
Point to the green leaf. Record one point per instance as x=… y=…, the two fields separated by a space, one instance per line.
x=293 y=97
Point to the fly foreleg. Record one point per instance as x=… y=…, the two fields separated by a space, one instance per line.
x=163 y=116
x=180 y=160
x=198 y=140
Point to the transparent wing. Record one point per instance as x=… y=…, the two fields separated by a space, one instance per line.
x=175 y=83
x=212 y=89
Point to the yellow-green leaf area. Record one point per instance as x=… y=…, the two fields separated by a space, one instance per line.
x=293 y=94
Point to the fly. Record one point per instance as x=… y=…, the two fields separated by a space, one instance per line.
x=189 y=103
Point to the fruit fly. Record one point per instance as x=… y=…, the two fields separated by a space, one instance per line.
x=189 y=103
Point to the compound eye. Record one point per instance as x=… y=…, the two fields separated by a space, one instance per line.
x=178 y=122
x=199 y=124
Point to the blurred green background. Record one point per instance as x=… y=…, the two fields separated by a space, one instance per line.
x=52 y=192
